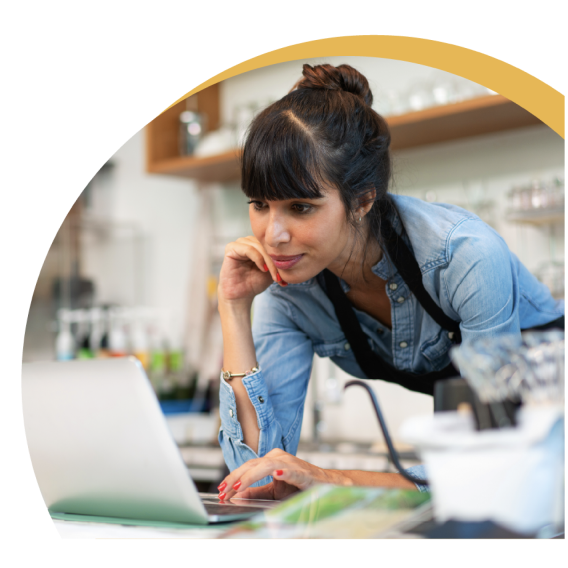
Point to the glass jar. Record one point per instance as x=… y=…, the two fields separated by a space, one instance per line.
x=420 y=96
x=444 y=92
x=525 y=198
x=515 y=198
x=537 y=195
x=191 y=129
x=556 y=192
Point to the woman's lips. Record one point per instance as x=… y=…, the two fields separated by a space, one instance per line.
x=285 y=262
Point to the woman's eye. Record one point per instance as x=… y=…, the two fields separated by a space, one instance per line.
x=302 y=207
x=258 y=205
x=299 y=208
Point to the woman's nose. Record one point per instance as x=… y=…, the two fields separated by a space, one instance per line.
x=276 y=231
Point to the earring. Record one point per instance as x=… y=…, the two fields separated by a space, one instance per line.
x=359 y=219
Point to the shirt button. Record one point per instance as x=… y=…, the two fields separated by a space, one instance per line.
x=231 y=413
x=400 y=300
x=260 y=399
x=403 y=344
x=347 y=347
x=451 y=334
x=393 y=286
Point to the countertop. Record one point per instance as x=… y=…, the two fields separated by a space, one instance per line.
x=72 y=529
x=419 y=526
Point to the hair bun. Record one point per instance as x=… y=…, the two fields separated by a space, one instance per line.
x=340 y=78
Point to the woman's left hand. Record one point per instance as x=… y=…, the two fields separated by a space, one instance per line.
x=290 y=475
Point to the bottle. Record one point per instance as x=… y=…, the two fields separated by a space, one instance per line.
x=117 y=337
x=64 y=343
x=185 y=383
x=83 y=322
x=157 y=369
x=140 y=347
x=97 y=331
x=176 y=365
x=104 y=352
x=167 y=387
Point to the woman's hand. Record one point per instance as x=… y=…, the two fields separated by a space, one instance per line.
x=290 y=474
x=246 y=271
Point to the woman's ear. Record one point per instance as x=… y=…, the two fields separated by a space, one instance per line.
x=366 y=201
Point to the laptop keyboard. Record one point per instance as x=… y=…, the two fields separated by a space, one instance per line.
x=215 y=507
x=228 y=509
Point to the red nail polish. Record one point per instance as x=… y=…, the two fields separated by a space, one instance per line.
x=222 y=486
x=284 y=283
x=222 y=496
x=278 y=278
x=279 y=472
x=237 y=485
x=265 y=267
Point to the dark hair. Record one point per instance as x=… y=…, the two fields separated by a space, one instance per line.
x=323 y=131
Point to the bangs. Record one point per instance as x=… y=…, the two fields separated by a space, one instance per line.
x=280 y=160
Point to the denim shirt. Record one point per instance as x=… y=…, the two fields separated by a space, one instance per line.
x=466 y=268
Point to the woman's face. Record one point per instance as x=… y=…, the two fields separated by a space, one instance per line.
x=303 y=236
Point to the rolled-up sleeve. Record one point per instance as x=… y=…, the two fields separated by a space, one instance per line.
x=480 y=282
x=277 y=391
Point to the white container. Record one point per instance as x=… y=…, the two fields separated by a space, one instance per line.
x=193 y=428
x=513 y=477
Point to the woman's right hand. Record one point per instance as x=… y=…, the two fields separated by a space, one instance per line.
x=246 y=271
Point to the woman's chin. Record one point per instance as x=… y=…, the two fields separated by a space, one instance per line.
x=296 y=277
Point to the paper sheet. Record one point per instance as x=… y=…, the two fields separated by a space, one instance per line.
x=327 y=511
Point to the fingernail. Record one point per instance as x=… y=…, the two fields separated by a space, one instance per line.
x=222 y=496
x=222 y=486
x=265 y=267
x=284 y=283
x=237 y=485
x=278 y=278
x=279 y=472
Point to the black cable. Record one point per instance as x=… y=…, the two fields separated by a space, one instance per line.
x=382 y=423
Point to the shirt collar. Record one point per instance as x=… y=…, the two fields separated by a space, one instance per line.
x=385 y=268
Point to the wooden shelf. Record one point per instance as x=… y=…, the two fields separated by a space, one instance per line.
x=474 y=117
x=219 y=168
x=537 y=216
x=482 y=115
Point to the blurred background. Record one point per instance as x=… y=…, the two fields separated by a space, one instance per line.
x=134 y=266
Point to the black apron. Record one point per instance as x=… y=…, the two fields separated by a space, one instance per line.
x=372 y=365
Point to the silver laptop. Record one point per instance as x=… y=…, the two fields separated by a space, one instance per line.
x=100 y=445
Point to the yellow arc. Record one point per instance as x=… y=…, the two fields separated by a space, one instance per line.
x=527 y=91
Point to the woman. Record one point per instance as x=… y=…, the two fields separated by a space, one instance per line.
x=334 y=256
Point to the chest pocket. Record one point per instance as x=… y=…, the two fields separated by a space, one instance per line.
x=437 y=350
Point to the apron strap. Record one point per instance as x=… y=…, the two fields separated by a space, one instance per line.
x=408 y=268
